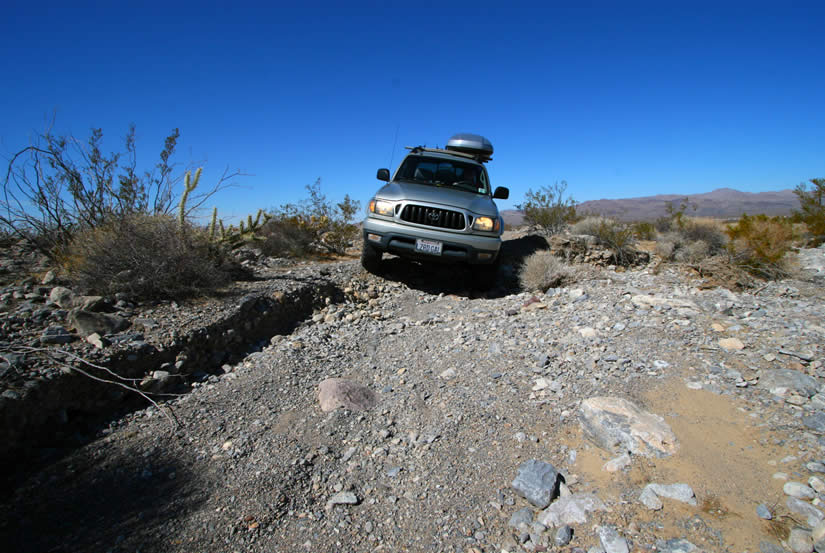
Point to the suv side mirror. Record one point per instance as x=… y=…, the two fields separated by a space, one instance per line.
x=383 y=174
x=501 y=193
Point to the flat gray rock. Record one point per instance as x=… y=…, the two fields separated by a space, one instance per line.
x=611 y=541
x=815 y=421
x=675 y=545
x=87 y=322
x=619 y=426
x=813 y=516
x=334 y=393
x=763 y=512
x=342 y=498
x=537 y=482
x=572 y=509
x=522 y=516
x=795 y=381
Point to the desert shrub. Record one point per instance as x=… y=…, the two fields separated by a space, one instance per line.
x=546 y=210
x=812 y=209
x=589 y=225
x=313 y=225
x=286 y=237
x=60 y=186
x=543 y=270
x=692 y=252
x=619 y=239
x=759 y=243
x=666 y=248
x=709 y=231
x=643 y=230
x=147 y=257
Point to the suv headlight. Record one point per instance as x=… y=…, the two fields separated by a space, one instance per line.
x=380 y=207
x=486 y=224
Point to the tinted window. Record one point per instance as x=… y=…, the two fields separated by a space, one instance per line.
x=444 y=172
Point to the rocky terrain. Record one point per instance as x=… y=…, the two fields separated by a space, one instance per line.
x=629 y=411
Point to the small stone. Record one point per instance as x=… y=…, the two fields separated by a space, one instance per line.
x=675 y=545
x=449 y=373
x=342 y=498
x=763 y=512
x=815 y=466
x=611 y=541
x=813 y=516
x=56 y=335
x=800 y=541
x=798 y=490
x=334 y=393
x=563 y=536
x=768 y=547
x=536 y=482
x=96 y=340
x=617 y=464
x=817 y=484
x=731 y=344
x=522 y=516
x=680 y=492
x=587 y=332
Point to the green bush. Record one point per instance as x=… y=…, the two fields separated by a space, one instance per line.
x=643 y=230
x=812 y=209
x=759 y=243
x=147 y=257
x=543 y=270
x=314 y=225
x=547 y=211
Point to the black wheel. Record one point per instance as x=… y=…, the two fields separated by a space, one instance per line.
x=371 y=258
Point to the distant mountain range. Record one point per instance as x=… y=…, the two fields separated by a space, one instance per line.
x=723 y=203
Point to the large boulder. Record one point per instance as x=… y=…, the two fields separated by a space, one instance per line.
x=340 y=392
x=620 y=426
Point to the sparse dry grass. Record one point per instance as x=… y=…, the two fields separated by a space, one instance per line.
x=543 y=270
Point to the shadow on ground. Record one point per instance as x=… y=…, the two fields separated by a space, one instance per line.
x=105 y=501
x=460 y=280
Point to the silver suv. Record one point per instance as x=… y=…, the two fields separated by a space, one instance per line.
x=438 y=207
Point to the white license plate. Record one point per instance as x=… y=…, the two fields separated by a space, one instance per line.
x=432 y=247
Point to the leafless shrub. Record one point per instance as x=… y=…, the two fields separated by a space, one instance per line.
x=590 y=225
x=543 y=270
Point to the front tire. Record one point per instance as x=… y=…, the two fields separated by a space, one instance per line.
x=487 y=275
x=371 y=258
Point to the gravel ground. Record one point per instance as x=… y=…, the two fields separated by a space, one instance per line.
x=468 y=389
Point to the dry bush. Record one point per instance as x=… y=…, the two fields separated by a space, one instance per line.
x=147 y=257
x=643 y=230
x=707 y=230
x=543 y=270
x=759 y=244
x=286 y=237
x=546 y=210
x=590 y=225
x=665 y=248
x=692 y=252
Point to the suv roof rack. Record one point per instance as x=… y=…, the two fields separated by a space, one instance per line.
x=477 y=157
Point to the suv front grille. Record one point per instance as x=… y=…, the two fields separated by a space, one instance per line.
x=433 y=217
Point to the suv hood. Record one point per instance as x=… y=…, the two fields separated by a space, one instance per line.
x=441 y=195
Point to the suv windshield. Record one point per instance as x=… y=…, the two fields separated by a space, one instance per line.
x=444 y=172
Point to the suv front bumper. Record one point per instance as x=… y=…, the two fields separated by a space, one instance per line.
x=457 y=247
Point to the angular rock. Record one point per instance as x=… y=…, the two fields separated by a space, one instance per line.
x=731 y=344
x=790 y=379
x=675 y=545
x=611 y=541
x=815 y=421
x=523 y=516
x=340 y=392
x=56 y=335
x=62 y=296
x=342 y=498
x=680 y=492
x=617 y=425
x=97 y=341
x=537 y=482
x=87 y=323
x=617 y=464
x=571 y=510
x=563 y=536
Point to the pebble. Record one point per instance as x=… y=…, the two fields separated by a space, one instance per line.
x=563 y=536
x=800 y=541
x=536 y=482
x=611 y=541
x=342 y=498
x=763 y=512
x=798 y=490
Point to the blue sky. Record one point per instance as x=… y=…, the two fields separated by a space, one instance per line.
x=620 y=99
